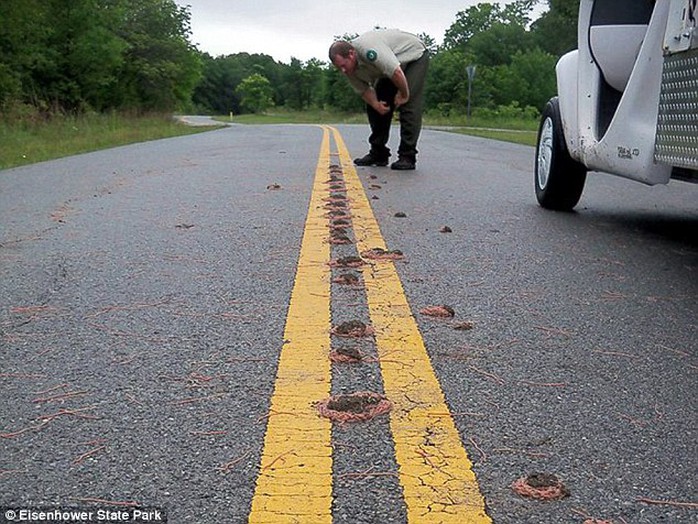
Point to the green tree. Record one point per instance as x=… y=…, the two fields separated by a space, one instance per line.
x=498 y=44
x=518 y=12
x=556 y=30
x=23 y=35
x=472 y=21
x=58 y=55
x=488 y=36
x=256 y=93
x=216 y=92
x=314 y=76
x=535 y=70
x=83 y=54
x=528 y=81
x=72 y=56
x=301 y=82
x=447 y=82
x=161 y=67
x=213 y=94
x=10 y=86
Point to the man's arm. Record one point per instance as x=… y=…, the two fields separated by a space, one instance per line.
x=401 y=97
x=403 y=89
x=369 y=96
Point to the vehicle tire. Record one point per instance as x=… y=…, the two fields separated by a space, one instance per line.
x=559 y=179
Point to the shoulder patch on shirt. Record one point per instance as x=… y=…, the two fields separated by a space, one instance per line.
x=371 y=55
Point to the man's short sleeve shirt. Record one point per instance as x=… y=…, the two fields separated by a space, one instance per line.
x=380 y=52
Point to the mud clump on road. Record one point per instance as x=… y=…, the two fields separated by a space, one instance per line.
x=378 y=253
x=346 y=354
x=347 y=262
x=540 y=486
x=347 y=279
x=442 y=311
x=356 y=407
x=339 y=223
x=352 y=329
x=339 y=238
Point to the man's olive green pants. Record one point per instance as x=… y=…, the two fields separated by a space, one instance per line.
x=410 y=114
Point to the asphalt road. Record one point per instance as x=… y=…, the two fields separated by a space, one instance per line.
x=144 y=293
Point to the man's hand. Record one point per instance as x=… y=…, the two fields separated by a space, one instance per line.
x=401 y=99
x=381 y=107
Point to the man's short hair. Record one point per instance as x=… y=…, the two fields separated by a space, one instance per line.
x=341 y=48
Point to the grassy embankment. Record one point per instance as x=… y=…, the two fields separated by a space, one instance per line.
x=25 y=142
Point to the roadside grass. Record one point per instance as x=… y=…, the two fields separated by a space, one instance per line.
x=26 y=142
x=519 y=131
x=528 y=138
x=282 y=116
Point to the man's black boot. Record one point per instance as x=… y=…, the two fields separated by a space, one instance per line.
x=404 y=163
x=371 y=159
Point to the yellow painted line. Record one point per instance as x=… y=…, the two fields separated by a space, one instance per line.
x=295 y=478
x=435 y=472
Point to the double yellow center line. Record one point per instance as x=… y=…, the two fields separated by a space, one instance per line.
x=295 y=478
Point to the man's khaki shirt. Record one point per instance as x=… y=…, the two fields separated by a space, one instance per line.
x=380 y=52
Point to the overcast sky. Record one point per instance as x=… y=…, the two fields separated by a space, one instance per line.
x=304 y=29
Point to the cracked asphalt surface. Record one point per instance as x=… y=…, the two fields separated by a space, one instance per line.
x=144 y=291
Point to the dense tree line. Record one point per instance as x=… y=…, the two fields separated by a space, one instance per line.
x=101 y=55
x=514 y=59
x=77 y=55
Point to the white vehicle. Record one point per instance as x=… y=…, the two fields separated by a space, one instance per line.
x=627 y=100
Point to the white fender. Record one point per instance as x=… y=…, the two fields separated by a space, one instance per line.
x=627 y=147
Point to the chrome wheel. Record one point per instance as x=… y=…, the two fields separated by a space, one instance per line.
x=545 y=153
